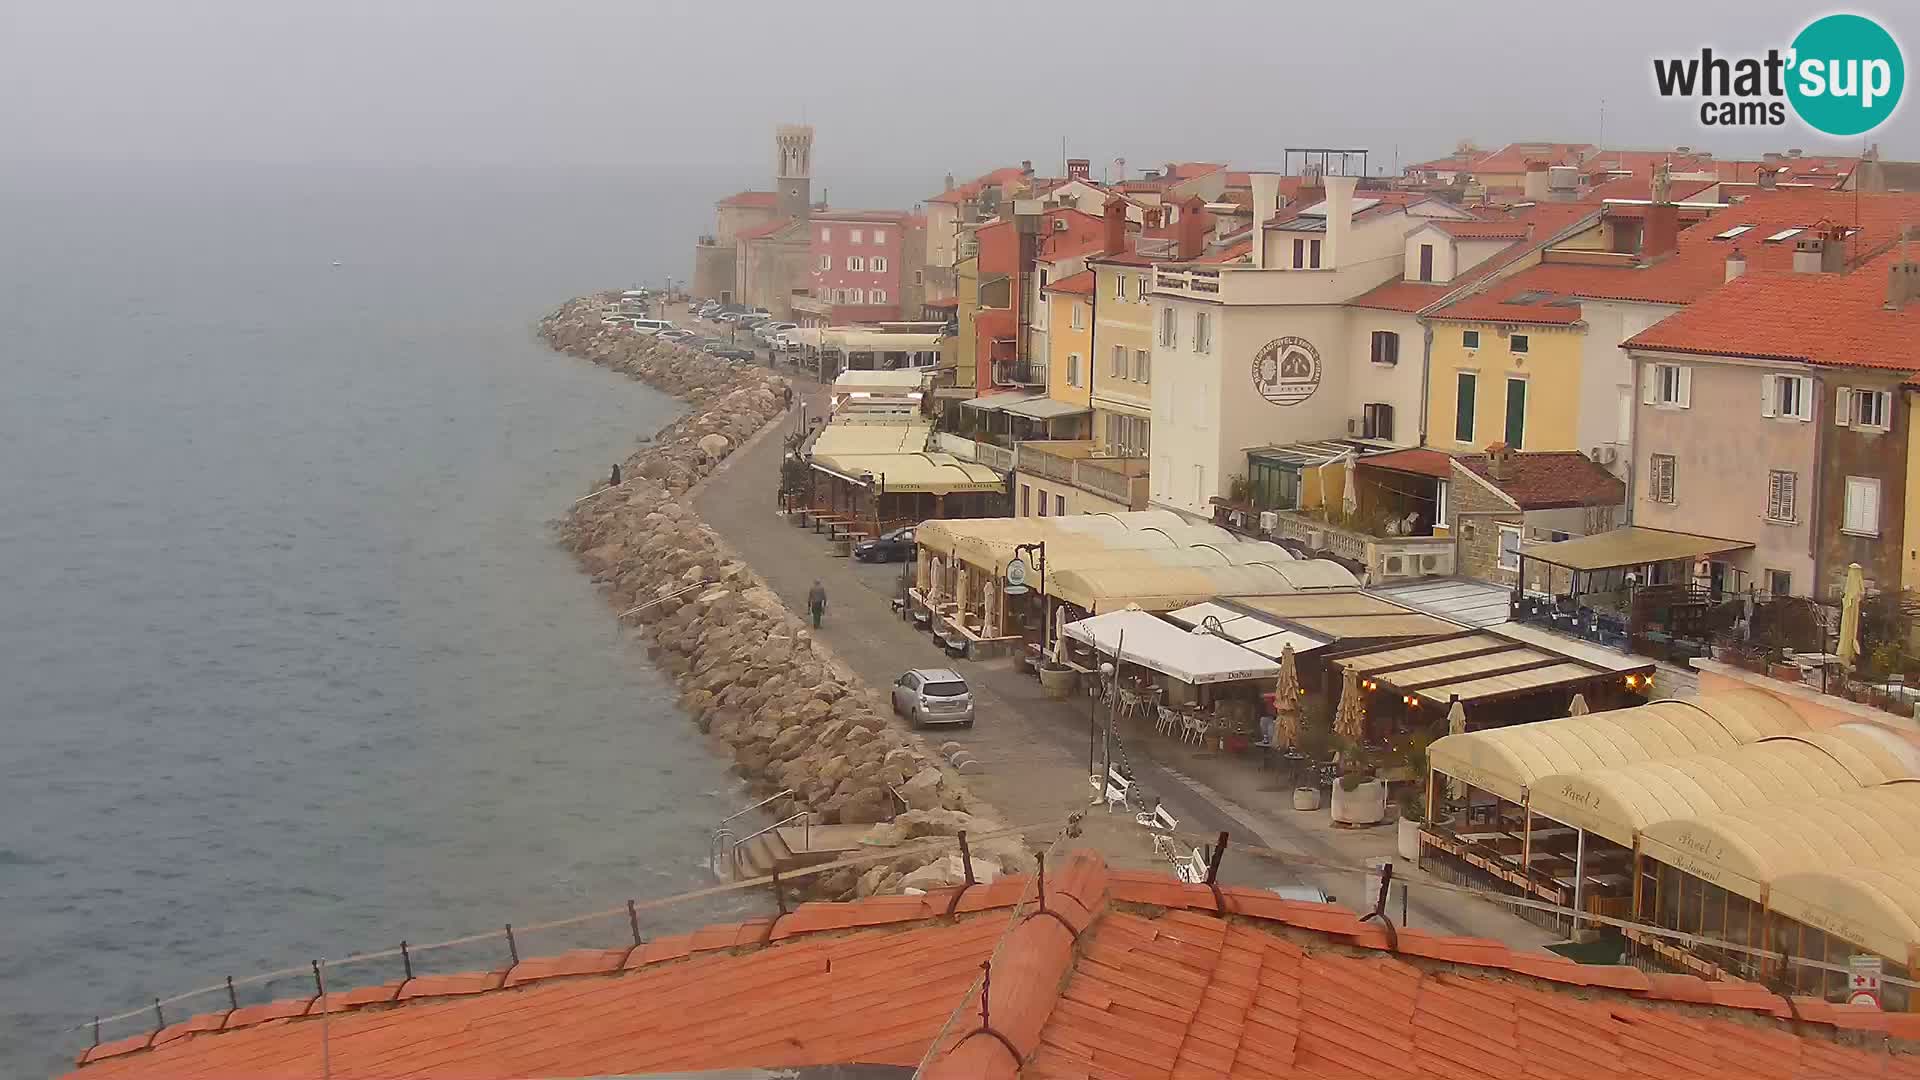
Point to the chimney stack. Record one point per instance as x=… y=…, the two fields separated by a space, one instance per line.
x=1116 y=227
x=1806 y=255
x=1026 y=168
x=1769 y=178
x=1079 y=168
x=1535 y=188
x=1736 y=264
x=1499 y=460
x=1661 y=234
x=1903 y=277
x=1193 y=228
x=1339 y=218
x=1266 y=200
x=949 y=186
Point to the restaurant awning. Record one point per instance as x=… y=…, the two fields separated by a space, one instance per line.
x=1476 y=665
x=938 y=474
x=998 y=402
x=1046 y=408
x=1252 y=630
x=1876 y=906
x=1508 y=761
x=1745 y=851
x=1140 y=638
x=1349 y=614
x=897 y=382
x=1619 y=803
x=870 y=438
x=1111 y=588
x=1631 y=546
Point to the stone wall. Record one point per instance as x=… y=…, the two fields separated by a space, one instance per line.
x=750 y=674
x=1477 y=515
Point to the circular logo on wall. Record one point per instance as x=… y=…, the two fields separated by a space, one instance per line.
x=1286 y=370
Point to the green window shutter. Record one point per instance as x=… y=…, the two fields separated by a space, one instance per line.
x=1463 y=408
x=1516 y=413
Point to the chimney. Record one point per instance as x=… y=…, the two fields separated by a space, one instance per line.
x=1026 y=168
x=1266 y=199
x=1339 y=218
x=1535 y=188
x=1661 y=234
x=1079 y=168
x=1903 y=277
x=1193 y=228
x=1769 y=179
x=1499 y=461
x=1116 y=227
x=1736 y=264
x=1806 y=255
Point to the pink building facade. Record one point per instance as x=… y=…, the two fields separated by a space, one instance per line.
x=858 y=262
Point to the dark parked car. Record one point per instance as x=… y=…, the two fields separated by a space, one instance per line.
x=734 y=354
x=896 y=546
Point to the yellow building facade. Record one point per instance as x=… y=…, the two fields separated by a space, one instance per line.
x=1504 y=382
x=1070 y=339
x=1122 y=386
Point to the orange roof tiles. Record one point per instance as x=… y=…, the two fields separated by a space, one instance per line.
x=1399 y=295
x=963 y=192
x=1829 y=319
x=1514 y=157
x=1080 y=284
x=765 y=200
x=1550 y=479
x=1123 y=974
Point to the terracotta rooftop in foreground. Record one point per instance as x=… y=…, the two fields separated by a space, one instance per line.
x=1122 y=975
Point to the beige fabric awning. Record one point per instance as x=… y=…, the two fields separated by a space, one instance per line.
x=1620 y=803
x=938 y=474
x=1475 y=665
x=874 y=438
x=1631 y=546
x=1509 y=761
x=1876 y=906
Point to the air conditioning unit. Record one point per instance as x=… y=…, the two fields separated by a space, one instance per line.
x=1060 y=224
x=1317 y=539
x=1269 y=521
x=1393 y=566
x=1356 y=424
x=1609 y=455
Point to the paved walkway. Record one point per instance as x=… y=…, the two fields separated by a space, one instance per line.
x=1035 y=749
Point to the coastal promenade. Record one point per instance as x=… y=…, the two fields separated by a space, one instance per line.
x=1034 y=750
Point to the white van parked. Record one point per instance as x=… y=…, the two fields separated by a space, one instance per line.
x=651 y=326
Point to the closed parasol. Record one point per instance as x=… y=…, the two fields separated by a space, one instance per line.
x=1350 y=721
x=1579 y=706
x=1286 y=700
x=1850 y=600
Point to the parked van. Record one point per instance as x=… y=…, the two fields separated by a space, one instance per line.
x=651 y=326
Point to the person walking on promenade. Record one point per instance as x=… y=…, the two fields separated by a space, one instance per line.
x=787 y=392
x=817 y=602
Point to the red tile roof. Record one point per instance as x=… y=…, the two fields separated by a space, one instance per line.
x=765 y=200
x=1122 y=974
x=1534 y=225
x=1419 y=461
x=1513 y=157
x=854 y=217
x=1509 y=229
x=1698 y=265
x=1080 y=284
x=1829 y=319
x=1551 y=480
x=1399 y=295
x=963 y=192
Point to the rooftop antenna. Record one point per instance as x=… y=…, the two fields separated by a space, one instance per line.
x=1603 y=123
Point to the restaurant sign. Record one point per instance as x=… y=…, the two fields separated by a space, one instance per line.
x=1286 y=370
x=1016 y=577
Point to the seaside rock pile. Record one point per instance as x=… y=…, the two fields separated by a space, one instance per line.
x=749 y=671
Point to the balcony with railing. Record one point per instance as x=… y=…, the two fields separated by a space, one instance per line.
x=1013 y=372
x=999 y=458
x=1077 y=463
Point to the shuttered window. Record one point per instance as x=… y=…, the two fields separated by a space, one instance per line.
x=1780 y=495
x=1516 y=433
x=1463 y=407
x=1386 y=347
x=1863 y=506
x=1660 y=478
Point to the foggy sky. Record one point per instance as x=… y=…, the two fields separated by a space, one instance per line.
x=894 y=89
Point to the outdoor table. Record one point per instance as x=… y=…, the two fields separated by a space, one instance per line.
x=1551 y=833
x=1481 y=837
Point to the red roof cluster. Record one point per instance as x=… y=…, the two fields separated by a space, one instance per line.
x=1080 y=284
x=996 y=178
x=1118 y=975
x=764 y=200
x=1551 y=480
x=1830 y=319
x=1513 y=157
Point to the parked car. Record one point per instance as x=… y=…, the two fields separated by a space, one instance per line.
x=676 y=335
x=933 y=696
x=651 y=326
x=768 y=331
x=895 y=546
x=735 y=354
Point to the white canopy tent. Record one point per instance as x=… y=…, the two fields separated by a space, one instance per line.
x=1138 y=637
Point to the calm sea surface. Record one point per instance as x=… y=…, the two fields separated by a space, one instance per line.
x=290 y=665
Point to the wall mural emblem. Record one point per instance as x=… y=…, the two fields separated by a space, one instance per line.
x=1286 y=370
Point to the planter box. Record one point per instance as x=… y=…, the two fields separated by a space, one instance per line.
x=1058 y=682
x=1784 y=672
x=1364 y=805
x=1409 y=839
x=1306 y=798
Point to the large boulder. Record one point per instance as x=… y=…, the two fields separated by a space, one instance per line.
x=922 y=789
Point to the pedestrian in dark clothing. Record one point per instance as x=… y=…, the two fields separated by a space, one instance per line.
x=614 y=479
x=787 y=392
x=817 y=602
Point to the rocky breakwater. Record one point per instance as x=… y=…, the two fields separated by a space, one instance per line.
x=750 y=673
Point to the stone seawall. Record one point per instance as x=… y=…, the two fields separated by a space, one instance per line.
x=750 y=673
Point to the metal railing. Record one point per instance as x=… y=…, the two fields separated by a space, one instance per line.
x=723 y=838
x=1018 y=373
x=804 y=817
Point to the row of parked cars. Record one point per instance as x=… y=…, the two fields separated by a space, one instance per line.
x=767 y=330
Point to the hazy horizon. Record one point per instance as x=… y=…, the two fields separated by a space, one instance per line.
x=897 y=93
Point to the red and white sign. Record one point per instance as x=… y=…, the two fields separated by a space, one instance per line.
x=1863 y=980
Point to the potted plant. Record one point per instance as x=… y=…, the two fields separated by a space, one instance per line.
x=1359 y=796
x=1316 y=742
x=1411 y=755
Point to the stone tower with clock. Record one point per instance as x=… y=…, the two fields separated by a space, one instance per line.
x=793 y=169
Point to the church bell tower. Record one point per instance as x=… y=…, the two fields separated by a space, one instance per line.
x=793 y=169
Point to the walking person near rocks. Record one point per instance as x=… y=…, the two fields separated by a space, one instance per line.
x=817 y=602
x=787 y=392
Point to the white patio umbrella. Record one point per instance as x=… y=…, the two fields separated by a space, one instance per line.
x=1350 y=498
x=1456 y=725
x=1579 y=706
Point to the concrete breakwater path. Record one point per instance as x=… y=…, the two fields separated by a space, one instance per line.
x=750 y=674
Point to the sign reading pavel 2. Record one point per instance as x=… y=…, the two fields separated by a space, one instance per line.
x=1286 y=370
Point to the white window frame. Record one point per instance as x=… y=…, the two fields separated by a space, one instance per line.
x=853 y=236
x=1073 y=369
x=878 y=264
x=1119 y=286
x=1142 y=365
x=1169 y=327
x=856 y=264
x=1787 y=397
x=879 y=236
x=1668 y=386
x=1519 y=344
x=1783 y=496
x=826 y=262
x=1202 y=332
x=826 y=235
x=856 y=296
x=1079 y=316
x=1469 y=339
x=1862 y=512
x=1118 y=368
x=1501 y=558
x=1672 y=494
x=876 y=296
x=1144 y=290
x=1851 y=404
